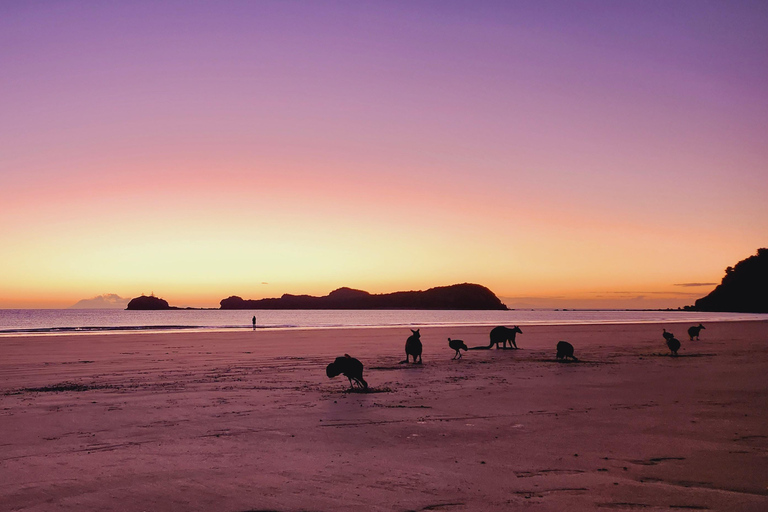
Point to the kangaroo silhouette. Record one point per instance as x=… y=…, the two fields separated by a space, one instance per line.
x=667 y=335
x=694 y=331
x=350 y=367
x=565 y=350
x=457 y=345
x=674 y=345
x=413 y=346
x=502 y=335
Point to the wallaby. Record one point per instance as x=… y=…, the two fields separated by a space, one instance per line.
x=565 y=350
x=674 y=345
x=350 y=367
x=502 y=335
x=457 y=345
x=694 y=331
x=413 y=346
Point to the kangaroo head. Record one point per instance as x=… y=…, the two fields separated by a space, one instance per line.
x=332 y=370
x=416 y=333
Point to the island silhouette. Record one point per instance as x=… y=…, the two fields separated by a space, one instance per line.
x=148 y=302
x=466 y=296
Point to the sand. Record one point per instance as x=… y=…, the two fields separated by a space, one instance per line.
x=248 y=420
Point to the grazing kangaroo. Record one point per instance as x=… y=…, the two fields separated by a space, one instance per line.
x=694 y=331
x=674 y=345
x=667 y=335
x=350 y=367
x=457 y=345
x=565 y=350
x=502 y=335
x=413 y=346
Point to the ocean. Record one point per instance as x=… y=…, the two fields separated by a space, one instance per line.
x=15 y=322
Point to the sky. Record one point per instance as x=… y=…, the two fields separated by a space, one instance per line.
x=561 y=153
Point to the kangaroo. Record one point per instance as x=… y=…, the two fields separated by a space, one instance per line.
x=667 y=335
x=413 y=346
x=457 y=345
x=694 y=331
x=502 y=335
x=674 y=345
x=565 y=350
x=350 y=367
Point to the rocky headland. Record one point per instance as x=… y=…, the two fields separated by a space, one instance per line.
x=744 y=288
x=465 y=296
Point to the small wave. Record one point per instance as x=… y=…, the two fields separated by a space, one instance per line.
x=83 y=322
x=53 y=330
x=142 y=328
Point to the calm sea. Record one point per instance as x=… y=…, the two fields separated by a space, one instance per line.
x=63 y=321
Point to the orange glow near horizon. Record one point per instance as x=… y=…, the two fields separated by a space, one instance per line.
x=197 y=240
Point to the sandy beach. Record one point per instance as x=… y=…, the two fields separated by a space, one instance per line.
x=248 y=420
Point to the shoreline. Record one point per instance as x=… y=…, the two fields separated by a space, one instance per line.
x=176 y=329
x=248 y=420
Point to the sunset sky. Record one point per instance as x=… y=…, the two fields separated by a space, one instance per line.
x=563 y=154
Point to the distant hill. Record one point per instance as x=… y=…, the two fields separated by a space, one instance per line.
x=744 y=288
x=148 y=303
x=458 y=296
x=106 y=301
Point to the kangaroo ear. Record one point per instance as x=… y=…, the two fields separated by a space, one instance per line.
x=348 y=356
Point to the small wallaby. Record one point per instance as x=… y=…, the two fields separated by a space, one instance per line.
x=457 y=345
x=350 y=367
x=413 y=346
x=674 y=345
x=565 y=350
x=694 y=331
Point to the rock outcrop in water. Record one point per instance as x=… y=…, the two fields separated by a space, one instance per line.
x=144 y=303
x=457 y=297
x=744 y=288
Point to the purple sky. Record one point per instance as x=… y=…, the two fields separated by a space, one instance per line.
x=589 y=148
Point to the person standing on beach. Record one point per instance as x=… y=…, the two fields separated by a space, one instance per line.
x=254 y=322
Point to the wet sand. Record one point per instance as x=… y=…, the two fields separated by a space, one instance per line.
x=248 y=420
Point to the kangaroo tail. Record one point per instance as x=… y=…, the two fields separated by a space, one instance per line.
x=481 y=348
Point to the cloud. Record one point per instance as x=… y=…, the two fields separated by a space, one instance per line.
x=535 y=297
x=106 y=301
x=694 y=284
x=631 y=299
x=634 y=294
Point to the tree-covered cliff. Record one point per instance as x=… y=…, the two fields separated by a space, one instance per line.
x=744 y=288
